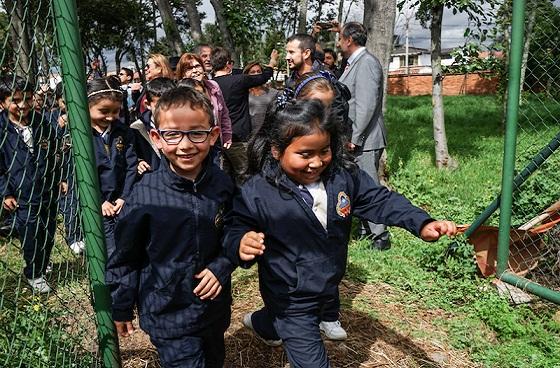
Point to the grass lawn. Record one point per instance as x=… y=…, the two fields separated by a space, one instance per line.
x=472 y=317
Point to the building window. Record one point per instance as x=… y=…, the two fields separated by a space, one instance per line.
x=412 y=60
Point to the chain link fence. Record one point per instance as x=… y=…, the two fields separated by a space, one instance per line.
x=535 y=253
x=46 y=314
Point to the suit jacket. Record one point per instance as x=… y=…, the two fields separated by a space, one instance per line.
x=364 y=78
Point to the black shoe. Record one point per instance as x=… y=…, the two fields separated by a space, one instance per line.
x=380 y=244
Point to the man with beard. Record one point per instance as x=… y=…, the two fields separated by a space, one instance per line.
x=300 y=55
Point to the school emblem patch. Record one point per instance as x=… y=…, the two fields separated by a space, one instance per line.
x=343 y=206
x=219 y=219
x=119 y=144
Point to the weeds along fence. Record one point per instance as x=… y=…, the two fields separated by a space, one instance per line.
x=528 y=242
x=54 y=306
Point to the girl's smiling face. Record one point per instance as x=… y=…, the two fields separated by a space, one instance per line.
x=103 y=113
x=306 y=157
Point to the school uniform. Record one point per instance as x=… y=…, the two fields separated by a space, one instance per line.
x=30 y=172
x=143 y=146
x=169 y=231
x=304 y=261
x=116 y=167
x=67 y=203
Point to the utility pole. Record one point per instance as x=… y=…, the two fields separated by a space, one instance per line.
x=406 y=46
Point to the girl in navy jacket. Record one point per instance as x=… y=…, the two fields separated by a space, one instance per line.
x=115 y=158
x=294 y=218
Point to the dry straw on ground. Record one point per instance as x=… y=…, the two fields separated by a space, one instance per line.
x=381 y=334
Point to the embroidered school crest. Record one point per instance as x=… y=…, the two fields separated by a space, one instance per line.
x=219 y=219
x=343 y=207
x=119 y=144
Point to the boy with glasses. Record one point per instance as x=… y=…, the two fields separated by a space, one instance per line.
x=179 y=277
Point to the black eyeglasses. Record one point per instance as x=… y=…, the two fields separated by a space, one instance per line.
x=175 y=137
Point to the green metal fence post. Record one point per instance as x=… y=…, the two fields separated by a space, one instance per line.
x=73 y=73
x=515 y=57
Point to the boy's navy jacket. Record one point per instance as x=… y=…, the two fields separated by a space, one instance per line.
x=303 y=264
x=116 y=162
x=170 y=229
x=145 y=149
x=30 y=177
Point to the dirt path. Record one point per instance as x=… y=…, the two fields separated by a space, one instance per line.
x=381 y=334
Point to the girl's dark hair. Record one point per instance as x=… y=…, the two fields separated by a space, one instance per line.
x=297 y=118
x=158 y=86
x=9 y=84
x=192 y=83
x=104 y=88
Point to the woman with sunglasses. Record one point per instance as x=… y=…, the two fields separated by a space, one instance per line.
x=190 y=66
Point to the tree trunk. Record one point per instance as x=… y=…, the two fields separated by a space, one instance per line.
x=527 y=44
x=223 y=26
x=170 y=27
x=319 y=10
x=379 y=20
x=302 y=17
x=443 y=160
x=340 y=11
x=194 y=21
x=20 y=40
x=119 y=53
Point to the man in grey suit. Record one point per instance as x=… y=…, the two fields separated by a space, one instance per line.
x=364 y=77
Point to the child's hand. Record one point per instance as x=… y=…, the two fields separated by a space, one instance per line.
x=63 y=186
x=10 y=203
x=227 y=145
x=143 y=166
x=119 y=203
x=433 y=230
x=62 y=120
x=124 y=328
x=209 y=286
x=108 y=209
x=251 y=245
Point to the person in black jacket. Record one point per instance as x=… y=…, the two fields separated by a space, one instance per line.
x=294 y=218
x=235 y=88
x=30 y=176
x=148 y=154
x=169 y=260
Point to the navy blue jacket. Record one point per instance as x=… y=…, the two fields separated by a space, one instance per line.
x=143 y=146
x=303 y=264
x=63 y=136
x=170 y=229
x=116 y=162
x=31 y=176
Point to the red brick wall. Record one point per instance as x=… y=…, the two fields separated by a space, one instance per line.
x=453 y=84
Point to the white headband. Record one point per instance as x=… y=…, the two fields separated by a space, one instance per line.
x=105 y=90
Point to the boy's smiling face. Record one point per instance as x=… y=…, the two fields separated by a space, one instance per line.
x=18 y=106
x=186 y=157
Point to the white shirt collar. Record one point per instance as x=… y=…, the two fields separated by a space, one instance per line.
x=355 y=54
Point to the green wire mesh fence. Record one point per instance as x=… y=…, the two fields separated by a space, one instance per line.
x=46 y=314
x=535 y=249
x=525 y=250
